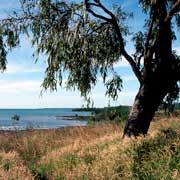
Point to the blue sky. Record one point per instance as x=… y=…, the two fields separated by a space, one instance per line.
x=21 y=83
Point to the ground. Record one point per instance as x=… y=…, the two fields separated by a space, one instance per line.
x=95 y=152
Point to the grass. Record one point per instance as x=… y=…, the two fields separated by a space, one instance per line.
x=92 y=153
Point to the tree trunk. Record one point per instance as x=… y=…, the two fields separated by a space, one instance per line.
x=157 y=77
x=150 y=96
x=142 y=112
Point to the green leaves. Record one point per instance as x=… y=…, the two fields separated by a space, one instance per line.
x=177 y=20
x=145 y=4
x=3 y=54
x=138 y=40
x=74 y=44
x=113 y=86
x=173 y=96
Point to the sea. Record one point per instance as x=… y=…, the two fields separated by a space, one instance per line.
x=40 y=118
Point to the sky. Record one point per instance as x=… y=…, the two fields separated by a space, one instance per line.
x=20 y=85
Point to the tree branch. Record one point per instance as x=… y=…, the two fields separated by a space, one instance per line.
x=106 y=10
x=148 y=37
x=138 y=59
x=124 y=52
x=99 y=27
x=174 y=10
x=133 y=65
x=98 y=16
x=113 y=21
x=87 y=4
x=100 y=5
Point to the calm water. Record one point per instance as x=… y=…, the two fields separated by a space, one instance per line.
x=38 y=118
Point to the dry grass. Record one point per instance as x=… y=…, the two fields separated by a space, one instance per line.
x=87 y=153
x=12 y=167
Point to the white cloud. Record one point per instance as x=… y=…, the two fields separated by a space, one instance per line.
x=124 y=98
x=129 y=78
x=14 y=69
x=57 y=100
x=20 y=86
x=25 y=94
x=177 y=49
x=124 y=78
x=121 y=63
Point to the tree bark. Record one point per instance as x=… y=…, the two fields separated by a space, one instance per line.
x=150 y=95
x=157 y=77
x=145 y=104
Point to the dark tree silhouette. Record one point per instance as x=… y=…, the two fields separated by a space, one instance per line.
x=79 y=39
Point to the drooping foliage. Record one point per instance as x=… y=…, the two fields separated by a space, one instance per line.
x=83 y=40
x=73 y=41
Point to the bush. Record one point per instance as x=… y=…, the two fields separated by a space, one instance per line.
x=157 y=158
x=42 y=172
x=117 y=114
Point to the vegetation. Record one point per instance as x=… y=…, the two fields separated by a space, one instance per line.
x=85 y=43
x=92 y=153
x=85 y=109
x=15 y=117
x=117 y=114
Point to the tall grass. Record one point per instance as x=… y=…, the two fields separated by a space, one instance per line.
x=92 y=153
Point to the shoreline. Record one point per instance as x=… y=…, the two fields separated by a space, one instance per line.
x=15 y=132
x=42 y=129
x=74 y=117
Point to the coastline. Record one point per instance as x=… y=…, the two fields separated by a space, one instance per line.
x=74 y=117
x=34 y=130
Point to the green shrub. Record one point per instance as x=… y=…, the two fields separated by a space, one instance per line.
x=7 y=165
x=70 y=161
x=117 y=114
x=157 y=158
x=42 y=172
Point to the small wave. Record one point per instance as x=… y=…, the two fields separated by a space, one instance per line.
x=12 y=128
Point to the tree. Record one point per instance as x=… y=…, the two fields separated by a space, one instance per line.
x=84 y=42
